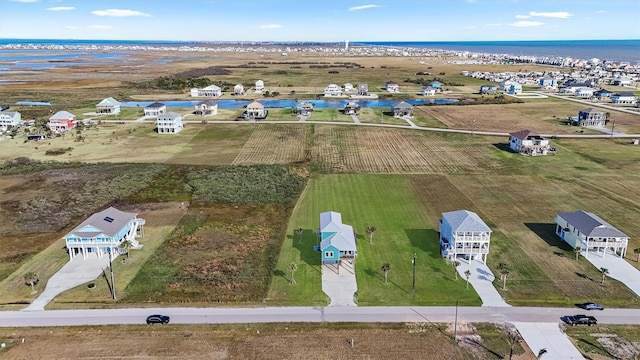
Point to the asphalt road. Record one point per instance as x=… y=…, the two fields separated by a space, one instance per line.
x=309 y=314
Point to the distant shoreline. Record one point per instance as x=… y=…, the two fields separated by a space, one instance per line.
x=551 y=52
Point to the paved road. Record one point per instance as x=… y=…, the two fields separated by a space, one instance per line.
x=308 y=314
x=593 y=104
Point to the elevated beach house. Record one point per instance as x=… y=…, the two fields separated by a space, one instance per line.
x=155 y=109
x=9 y=119
x=363 y=90
x=548 y=83
x=337 y=240
x=624 y=97
x=351 y=108
x=303 y=107
x=591 y=117
x=169 y=123
x=209 y=91
x=108 y=106
x=238 y=89
x=348 y=88
x=463 y=234
x=332 y=90
x=428 y=91
x=584 y=92
x=206 y=107
x=590 y=233
x=62 y=121
x=488 y=89
x=513 y=88
x=526 y=142
x=255 y=110
x=259 y=86
x=392 y=86
x=102 y=233
x=436 y=85
x=401 y=109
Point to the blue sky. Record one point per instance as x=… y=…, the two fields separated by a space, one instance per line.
x=321 y=20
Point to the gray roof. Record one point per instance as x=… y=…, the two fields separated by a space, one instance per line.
x=64 y=115
x=464 y=220
x=624 y=93
x=155 y=105
x=109 y=221
x=208 y=103
x=402 y=105
x=109 y=102
x=591 y=224
x=169 y=115
x=10 y=113
x=590 y=110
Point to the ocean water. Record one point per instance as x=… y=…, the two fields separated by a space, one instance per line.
x=610 y=50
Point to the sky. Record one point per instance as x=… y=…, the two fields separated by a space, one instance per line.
x=320 y=20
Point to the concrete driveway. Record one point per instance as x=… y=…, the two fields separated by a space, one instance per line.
x=76 y=272
x=339 y=283
x=548 y=336
x=482 y=281
x=619 y=268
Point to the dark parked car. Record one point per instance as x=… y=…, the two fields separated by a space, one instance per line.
x=581 y=320
x=157 y=319
x=590 y=306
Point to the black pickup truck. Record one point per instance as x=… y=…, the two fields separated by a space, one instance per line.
x=582 y=320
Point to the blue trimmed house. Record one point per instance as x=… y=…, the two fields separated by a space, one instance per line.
x=464 y=234
x=102 y=233
x=338 y=240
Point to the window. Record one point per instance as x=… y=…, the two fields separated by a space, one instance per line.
x=328 y=254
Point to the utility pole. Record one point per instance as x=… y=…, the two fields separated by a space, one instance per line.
x=613 y=126
x=473 y=126
x=113 y=284
x=413 y=286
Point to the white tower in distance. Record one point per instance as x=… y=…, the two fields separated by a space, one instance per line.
x=346 y=45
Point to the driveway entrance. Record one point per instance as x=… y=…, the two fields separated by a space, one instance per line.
x=339 y=283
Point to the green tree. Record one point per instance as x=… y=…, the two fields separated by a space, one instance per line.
x=455 y=264
x=385 y=267
x=31 y=279
x=293 y=267
x=604 y=272
x=467 y=274
x=126 y=246
x=298 y=232
x=504 y=271
x=370 y=231
x=577 y=252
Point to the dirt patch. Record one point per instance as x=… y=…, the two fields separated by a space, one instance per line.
x=619 y=347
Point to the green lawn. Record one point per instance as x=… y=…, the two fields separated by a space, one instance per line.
x=403 y=228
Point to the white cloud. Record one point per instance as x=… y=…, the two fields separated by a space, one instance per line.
x=526 y=23
x=557 y=15
x=601 y=12
x=100 y=27
x=270 y=26
x=69 y=27
x=363 y=7
x=26 y=1
x=61 y=8
x=522 y=16
x=119 y=13
x=469 y=27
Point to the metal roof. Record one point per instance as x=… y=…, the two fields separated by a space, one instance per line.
x=464 y=220
x=591 y=224
x=109 y=221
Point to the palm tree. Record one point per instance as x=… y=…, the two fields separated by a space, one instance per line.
x=370 y=231
x=637 y=251
x=577 y=251
x=467 y=274
x=293 y=267
x=513 y=337
x=504 y=271
x=298 y=232
x=385 y=267
x=604 y=272
x=455 y=264
x=126 y=246
x=31 y=278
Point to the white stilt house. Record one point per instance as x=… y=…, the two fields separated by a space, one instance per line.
x=464 y=234
x=102 y=233
x=590 y=233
